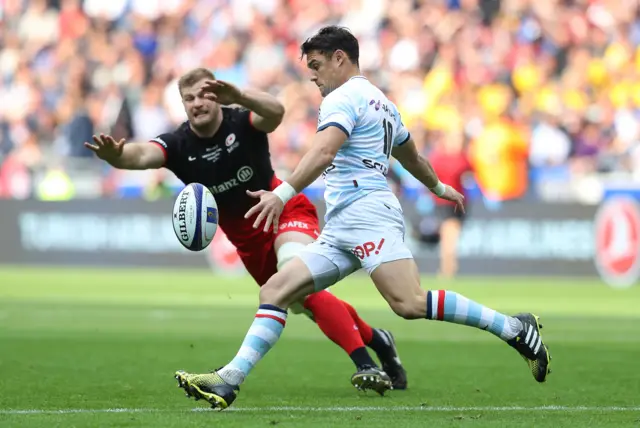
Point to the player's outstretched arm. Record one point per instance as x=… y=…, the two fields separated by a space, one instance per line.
x=409 y=157
x=268 y=111
x=126 y=156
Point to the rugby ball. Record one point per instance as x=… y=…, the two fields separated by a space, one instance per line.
x=195 y=217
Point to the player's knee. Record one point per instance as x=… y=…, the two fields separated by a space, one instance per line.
x=270 y=292
x=409 y=309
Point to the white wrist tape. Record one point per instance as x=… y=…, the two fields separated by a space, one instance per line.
x=439 y=189
x=285 y=191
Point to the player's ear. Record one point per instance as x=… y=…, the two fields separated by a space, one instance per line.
x=340 y=56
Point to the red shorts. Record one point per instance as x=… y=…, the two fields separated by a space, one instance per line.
x=257 y=250
x=299 y=215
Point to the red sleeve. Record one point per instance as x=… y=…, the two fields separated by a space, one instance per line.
x=170 y=147
x=164 y=151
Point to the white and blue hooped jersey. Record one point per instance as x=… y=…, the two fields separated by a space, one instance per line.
x=373 y=126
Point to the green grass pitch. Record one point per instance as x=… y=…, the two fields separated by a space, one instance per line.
x=98 y=348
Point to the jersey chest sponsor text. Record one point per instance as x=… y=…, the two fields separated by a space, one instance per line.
x=243 y=175
x=379 y=166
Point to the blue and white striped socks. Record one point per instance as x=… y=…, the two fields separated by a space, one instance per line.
x=263 y=334
x=444 y=305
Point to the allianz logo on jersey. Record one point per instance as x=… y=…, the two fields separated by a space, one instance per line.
x=243 y=175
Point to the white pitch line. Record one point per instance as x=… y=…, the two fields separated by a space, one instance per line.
x=435 y=409
x=332 y=409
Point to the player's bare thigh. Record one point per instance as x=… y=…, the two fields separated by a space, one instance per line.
x=380 y=246
x=294 y=281
x=289 y=285
x=399 y=283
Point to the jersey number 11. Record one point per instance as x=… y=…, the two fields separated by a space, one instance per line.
x=388 y=137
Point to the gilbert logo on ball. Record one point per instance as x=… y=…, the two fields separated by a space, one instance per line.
x=195 y=217
x=617 y=242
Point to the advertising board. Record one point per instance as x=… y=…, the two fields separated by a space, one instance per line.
x=519 y=239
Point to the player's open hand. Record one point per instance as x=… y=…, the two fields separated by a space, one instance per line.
x=221 y=92
x=105 y=147
x=451 y=194
x=269 y=209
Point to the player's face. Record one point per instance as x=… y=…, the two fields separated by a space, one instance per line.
x=325 y=71
x=200 y=110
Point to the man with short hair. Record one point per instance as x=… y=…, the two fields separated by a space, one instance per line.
x=358 y=130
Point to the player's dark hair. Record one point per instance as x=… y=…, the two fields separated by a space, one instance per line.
x=330 y=39
x=193 y=76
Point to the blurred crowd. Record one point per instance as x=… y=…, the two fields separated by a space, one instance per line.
x=528 y=90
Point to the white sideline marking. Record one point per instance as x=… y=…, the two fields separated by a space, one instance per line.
x=332 y=409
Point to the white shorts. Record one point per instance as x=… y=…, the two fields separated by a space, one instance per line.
x=365 y=234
